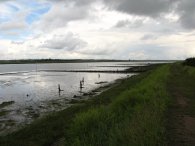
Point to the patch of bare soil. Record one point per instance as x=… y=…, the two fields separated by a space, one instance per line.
x=189 y=129
x=182 y=125
x=182 y=102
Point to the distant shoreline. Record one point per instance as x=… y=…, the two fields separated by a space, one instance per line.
x=33 y=61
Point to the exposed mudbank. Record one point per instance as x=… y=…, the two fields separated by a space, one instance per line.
x=103 y=82
x=14 y=120
x=132 y=69
x=6 y=103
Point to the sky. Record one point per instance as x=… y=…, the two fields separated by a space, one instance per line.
x=97 y=29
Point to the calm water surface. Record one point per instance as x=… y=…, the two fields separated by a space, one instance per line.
x=34 y=90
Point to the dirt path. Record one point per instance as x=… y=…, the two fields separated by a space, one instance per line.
x=181 y=119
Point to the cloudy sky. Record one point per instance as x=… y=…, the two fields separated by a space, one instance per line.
x=99 y=29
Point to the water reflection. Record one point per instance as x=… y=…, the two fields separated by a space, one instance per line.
x=39 y=92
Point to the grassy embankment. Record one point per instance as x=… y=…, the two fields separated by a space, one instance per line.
x=131 y=113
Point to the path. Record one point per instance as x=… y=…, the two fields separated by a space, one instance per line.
x=181 y=115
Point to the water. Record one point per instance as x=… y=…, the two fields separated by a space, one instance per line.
x=34 y=87
x=43 y=86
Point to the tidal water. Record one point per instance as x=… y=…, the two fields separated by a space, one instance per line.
x=33 y=88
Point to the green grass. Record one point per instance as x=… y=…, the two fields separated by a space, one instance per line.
x=130 y=113
x=134 y=117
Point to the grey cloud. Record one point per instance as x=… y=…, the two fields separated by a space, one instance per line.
x=64 y=11
x=97 y=51
x=76 y=2
x=186 y=9
x=138 y=7
x=80 y=2
x=127 y=23
x=59 y=15
x=149 y=37
x=83 y=2
x=122 y=23
x=12 y=26
x=68 y=42
x=147 y=8
x=151 y=8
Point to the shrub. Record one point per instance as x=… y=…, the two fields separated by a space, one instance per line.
x=190 y=61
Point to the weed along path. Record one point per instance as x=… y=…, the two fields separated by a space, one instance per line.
x=181 y=118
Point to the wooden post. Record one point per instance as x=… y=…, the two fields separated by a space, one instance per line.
x=83 y=80
x=81 y=85
x=59 y=88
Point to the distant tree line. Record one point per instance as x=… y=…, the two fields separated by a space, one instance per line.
x=29 y=61
x=190 y=61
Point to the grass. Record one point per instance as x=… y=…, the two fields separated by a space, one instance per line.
x=134 y=117
x=130 y=113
